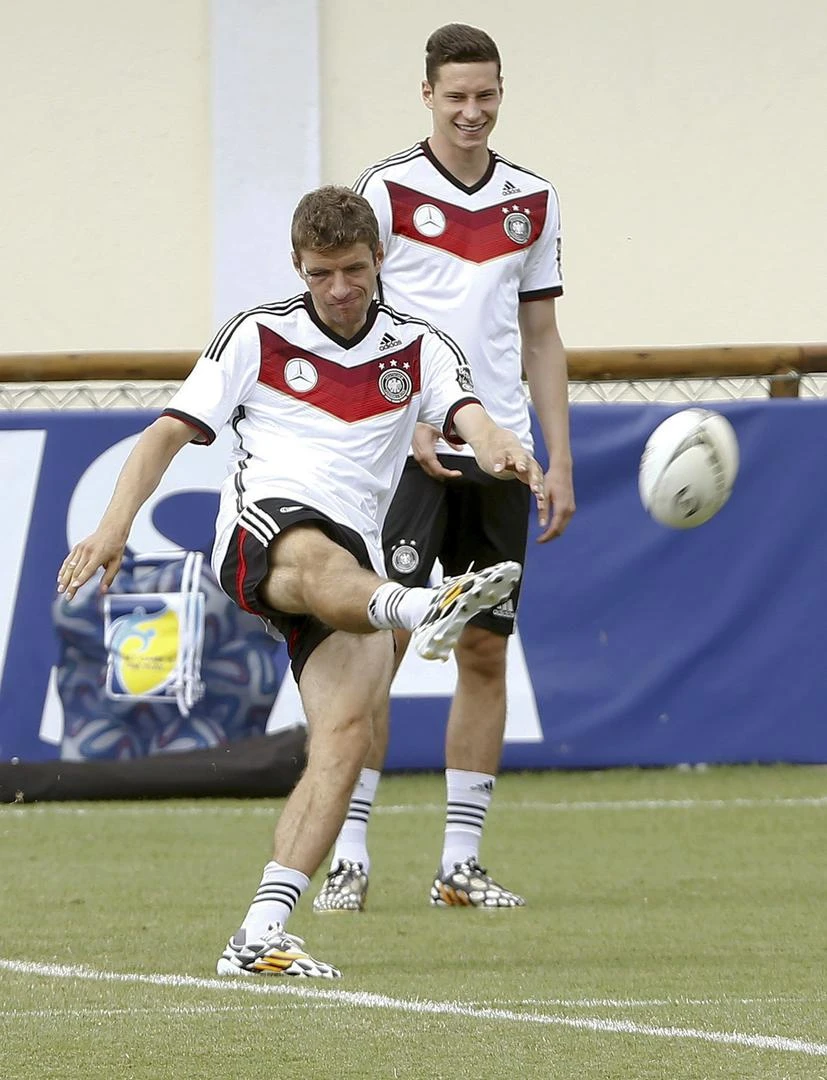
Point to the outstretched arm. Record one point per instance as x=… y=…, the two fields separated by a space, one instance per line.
x=139 y=477
x=499 y=452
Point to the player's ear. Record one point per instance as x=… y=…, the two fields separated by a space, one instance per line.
x=297 y=266
x=427 y=94
x=379 y=258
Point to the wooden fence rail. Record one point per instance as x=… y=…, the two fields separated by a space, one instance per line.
x=784 y=364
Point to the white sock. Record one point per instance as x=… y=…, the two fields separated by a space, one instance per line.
x=469 y=796
x=275 y=898
x=395 y=607
x=352 y=842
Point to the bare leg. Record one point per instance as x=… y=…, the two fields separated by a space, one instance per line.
x=476 y=722
x=344 y=683
x=381 y=718
x=309 y=573
x=473 y=747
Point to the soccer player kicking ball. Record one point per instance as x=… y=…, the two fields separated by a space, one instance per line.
x=323 y=392
x=472 y=244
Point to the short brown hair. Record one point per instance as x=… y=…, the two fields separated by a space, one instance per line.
x=456 y=43
x=332 y=217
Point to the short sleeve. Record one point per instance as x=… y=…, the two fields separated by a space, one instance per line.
x=223 y=378
x=374 y=189
x=542 y=275
x=446 y=383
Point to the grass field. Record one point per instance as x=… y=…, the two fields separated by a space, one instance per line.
x=675 y=928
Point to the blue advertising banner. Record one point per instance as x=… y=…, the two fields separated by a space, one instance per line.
x=637 y=645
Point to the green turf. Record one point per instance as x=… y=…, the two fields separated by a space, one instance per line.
x=647 y=925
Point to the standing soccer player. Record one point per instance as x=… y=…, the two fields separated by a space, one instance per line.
x=472 y=244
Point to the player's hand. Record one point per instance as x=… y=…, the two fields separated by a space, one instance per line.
x=104 y=548
x=423 y=445
x=518 y=463
x=559 y=488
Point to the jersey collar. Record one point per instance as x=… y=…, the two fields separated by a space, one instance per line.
x=449 y=176
x=344 y=343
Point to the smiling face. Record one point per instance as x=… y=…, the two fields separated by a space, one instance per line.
x=464 y=100
x=342 y=283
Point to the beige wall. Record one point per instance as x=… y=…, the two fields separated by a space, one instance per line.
x=105 y=182
x=686 y=142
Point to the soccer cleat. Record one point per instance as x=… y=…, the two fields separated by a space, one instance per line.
x=274 y=953
x=345 y=888
x=469 y=885
x=457 y=601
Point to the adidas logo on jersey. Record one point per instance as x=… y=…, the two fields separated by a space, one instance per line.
x=510 y=189
x=388 y=342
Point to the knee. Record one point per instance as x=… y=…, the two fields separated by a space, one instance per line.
x=481 y=654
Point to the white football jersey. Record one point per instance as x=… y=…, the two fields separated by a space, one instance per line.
x=464 y=258
x=320 y=420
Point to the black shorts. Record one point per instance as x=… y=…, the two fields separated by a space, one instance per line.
x=246 y=564
x=474 y=519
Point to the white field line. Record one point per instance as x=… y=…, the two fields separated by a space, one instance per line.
x=162 y=1010
x=644 y=1003
x=633 y=804
x=9 y=812
x=568 y=1003
x=364 y=1000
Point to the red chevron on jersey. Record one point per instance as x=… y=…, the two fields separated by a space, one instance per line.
x=476 y=235
x=349 y=393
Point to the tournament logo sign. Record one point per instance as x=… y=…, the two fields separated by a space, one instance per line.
x=144 y=650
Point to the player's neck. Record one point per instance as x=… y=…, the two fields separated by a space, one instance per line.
x=468 y=166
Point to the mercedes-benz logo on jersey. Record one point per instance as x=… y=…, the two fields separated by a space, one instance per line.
x=300 y=375
x=517 y=227
x=405 y=557
x=429 y=220
x=395 y=385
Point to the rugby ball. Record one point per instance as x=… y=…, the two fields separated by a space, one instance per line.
x=688 y=467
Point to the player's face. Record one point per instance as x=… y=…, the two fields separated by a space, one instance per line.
x=342 y=284
x=464 y=100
